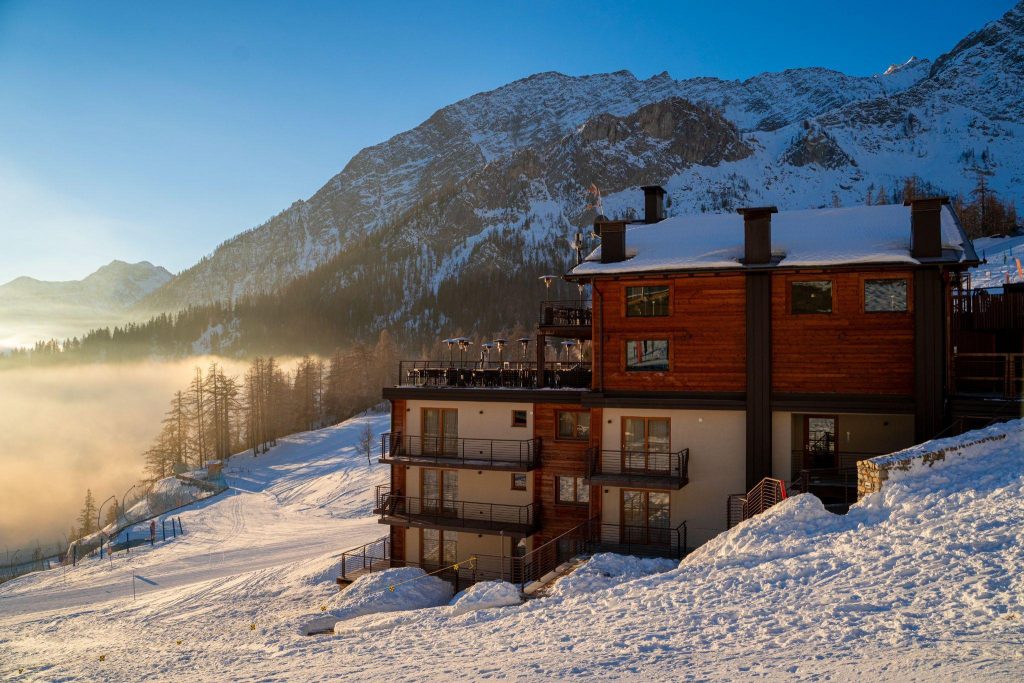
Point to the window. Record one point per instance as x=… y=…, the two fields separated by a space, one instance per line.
x=646 y=302
x=440 y=431
x=519 y=481
x=439 y=547
x=646 y=444
x=885 y=296
x=571 y=491
x=518 y=418
x=649 y=355
x=814 y=296
x=574 y=425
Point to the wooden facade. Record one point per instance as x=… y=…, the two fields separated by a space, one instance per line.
x=705 y=330
x=847 y=351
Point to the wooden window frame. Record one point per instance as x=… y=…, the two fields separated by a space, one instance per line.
x=805 y=429
x=440 y=498
x=865 y=279
x=646 y=494
x=513 y=476
x=423 y=422
x=526 y=418
x=559 y=437
x=440 y=540
x=790 y=281
x=625 y=299
x=647 y=449
x=625 y=353
x=579 y=482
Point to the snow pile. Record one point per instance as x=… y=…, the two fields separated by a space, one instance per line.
x=605 y=570
x=391 y=590
x=485 y=595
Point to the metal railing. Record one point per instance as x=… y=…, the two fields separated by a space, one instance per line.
x=566 y=313
x=989 y=374
x=449 y=513
x=364 y=558
x=639 y=467
x=504 y=453
x=815 y=461
x=645 y=541
x=491 y=374
x=765 y=494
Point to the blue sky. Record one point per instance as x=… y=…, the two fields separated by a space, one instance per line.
x=143 y=130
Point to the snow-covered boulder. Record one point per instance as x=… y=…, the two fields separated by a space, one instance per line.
x=605 y=570
x=485 y=595
x=372 y=594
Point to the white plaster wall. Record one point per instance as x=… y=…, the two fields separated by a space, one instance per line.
x=477 y=420
x=782 y=445
x=478 y=486
x=717 y=467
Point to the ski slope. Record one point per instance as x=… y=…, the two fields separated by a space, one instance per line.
x=308 y=497
x=922 y=581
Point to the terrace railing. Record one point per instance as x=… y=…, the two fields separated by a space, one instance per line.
x=566 y=313
x=507 y=454
x=645 y=541
x=491 y=374
x=628 y=467
x=455 y=514
x=989 y=374
x=986 y=311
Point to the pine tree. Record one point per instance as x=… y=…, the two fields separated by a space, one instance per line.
x=87 y=517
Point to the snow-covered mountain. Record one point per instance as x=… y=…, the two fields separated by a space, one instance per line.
x=114 y=286
x=497 y=182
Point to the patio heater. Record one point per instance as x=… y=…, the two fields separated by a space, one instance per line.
x=500 y=345
x=485 y=352
x=464 y=345
x=525 y=342
x=567 y=345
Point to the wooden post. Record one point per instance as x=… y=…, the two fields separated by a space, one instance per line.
x=541 y=350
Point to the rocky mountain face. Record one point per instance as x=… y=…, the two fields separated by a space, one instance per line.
x=487 y=191
x=115 y=286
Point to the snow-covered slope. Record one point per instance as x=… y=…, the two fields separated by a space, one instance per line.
x=919 y=582
x=1001 y=255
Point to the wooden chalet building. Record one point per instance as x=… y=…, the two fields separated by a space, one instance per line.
x=725 y=349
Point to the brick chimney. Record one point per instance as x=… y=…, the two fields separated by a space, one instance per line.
x=613 y=239
x=926 y=226
x=654 y=203
x=757 y=234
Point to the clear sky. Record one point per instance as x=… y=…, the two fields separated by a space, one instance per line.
x=145 y=130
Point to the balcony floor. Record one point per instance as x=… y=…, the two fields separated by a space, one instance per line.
x=457 y=463
x=458 y=524
x=644 y=481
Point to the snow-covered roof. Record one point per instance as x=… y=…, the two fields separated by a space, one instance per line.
x=813 y=237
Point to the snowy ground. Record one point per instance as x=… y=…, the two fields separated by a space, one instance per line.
x=1001 y=254
x=921 y=582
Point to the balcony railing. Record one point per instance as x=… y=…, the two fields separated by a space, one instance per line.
x=989 y=374
x=982 y=310
x=639 y=468
x=566 y=314
x=507 y=374
x=455 y=514
x=504 y=454
x=645 y=541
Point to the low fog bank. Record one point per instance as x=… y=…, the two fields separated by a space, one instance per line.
x=66 y=429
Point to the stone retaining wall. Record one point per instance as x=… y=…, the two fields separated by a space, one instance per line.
x=872 y=474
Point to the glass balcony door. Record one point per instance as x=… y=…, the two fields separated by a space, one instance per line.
x=440 y=491
x=646 y=443
x=645 y=517
x=440 y=431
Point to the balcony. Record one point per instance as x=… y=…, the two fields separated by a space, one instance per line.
x=568 y=319
x=491 y=375
x=989 y=374
x=641 y=541
x=460 y=515
x=638 y=468
x=479 y=454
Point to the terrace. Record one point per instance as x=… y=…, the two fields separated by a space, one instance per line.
x=489 y=454
x=648 y=469
x=460 y=515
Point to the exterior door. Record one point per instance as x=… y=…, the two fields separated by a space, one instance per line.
x=646 y=517
x=439 y=547
x=440 y=491
x=440 y=431
x=646 y=444
x=820 y=442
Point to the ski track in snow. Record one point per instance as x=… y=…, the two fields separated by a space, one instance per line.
x=920 y=582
